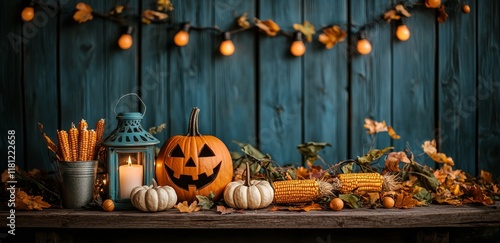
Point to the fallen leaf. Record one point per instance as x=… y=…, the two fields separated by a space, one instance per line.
x=373 y=155
x=392 y=133
x=223 y=210
x=396 y=13
x=331 y=36
x=486 y=176
x=28 y=202
x=267 y=26
x=430 y=149
x=205 y=202
x=184 y=207
x=392 y=161
x=307 y=29
x=83 y=13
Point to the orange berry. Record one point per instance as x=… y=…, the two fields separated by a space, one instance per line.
x=108 y=205
x=336 y=204
x=388 y=202
x=28 y=13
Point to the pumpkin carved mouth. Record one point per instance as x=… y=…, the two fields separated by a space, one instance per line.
x=184 y=181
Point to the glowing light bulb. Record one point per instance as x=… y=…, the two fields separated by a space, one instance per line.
x=466 y=8
x=226 y=47
x=28 y=13
x=126 y=40
x=298 y=48
x=432 y=3
x=182 y=37
x=364 y=47
x=403 y=33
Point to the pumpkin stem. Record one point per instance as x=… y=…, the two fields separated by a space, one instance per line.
x=154 y=183
x=247 y=172
x=193 y=123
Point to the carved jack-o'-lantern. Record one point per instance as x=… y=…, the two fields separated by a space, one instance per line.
x=194 y=164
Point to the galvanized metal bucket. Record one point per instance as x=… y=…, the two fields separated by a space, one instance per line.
x=77 y=182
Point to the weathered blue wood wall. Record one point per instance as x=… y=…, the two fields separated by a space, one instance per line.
x=442 y=83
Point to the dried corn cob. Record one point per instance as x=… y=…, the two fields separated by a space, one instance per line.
x=62 y=137
x=92 y=144
x=360 y=182
x=73 y=142
x=99 y=129
x=82 y=125
x=83 y=144
x=296 y=191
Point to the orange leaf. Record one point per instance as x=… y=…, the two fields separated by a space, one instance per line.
x=83 y=13
x=307 y=29
x=392 y=133
x=267 y=26
x=486 y=176
x=331 y=36
x=223 y=210
x=431 y=150
x=443 y=16
x=28 y=202
x=373 y=126
x=243 y=22
x=184 y=207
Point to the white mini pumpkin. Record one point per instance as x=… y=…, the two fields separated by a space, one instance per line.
x=153 y=198
x=248 y=194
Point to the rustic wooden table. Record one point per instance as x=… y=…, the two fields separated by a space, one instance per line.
x=435 y=223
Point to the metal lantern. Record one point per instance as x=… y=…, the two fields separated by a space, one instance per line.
x=130 y=155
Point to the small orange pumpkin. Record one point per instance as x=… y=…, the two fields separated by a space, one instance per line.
x=194 y=164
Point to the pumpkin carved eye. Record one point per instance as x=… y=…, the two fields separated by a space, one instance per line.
x=177 y=152
x=206 y=152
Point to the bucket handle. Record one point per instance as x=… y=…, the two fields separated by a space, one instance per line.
x=114 y=110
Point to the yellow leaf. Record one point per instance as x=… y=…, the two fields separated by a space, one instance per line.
x=83 y=13
x=431 y=150
x=243 y=22
x=267 y=26
x=28 y=202
x=331 y=36
x=392 y=133
x=184 y=207
x=307 y=29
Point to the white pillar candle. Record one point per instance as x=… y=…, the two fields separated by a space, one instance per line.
x=130 y=177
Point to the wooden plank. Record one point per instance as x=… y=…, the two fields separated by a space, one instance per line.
x=413 y=72
x=280 y=86
x=11 y=87
x=191 y=68
x=154 y=81
x=417 y=217
x=40 y=86
x=325 y=83
x=457 y=69
x=94 y=71
x=234 y=78
x=488 y=86
x=371 y=78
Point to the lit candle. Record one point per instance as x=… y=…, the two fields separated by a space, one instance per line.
x=130 y=177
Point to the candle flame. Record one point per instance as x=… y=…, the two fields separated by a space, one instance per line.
x=129 y=161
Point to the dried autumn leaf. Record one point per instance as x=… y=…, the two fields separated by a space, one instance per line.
x=302 y=172
x=305 y=208
x=392 y=133
x=442 y=16
x=331 y=36
x=392 y=161
x=223 y=210
x=396 y=13
x=402 y=10
x=184 y=207
x=118 y=9
x=28 y=202
x=373 y=126
x=405 y=200
x=243 y=22
x=205 y=202
x=430 y=149
x=307 y=29
x=151 y=15
x=478 y=196
x=164 y=5
x=267 y=26
x=83 y=13
x=373 y=155
x=486 y=176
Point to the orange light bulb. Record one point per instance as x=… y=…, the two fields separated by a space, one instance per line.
x=226 y=48
x=28 y=14
x=364 y=47
x=181 y=38
x=403 y=33
x=432 y=3
x=298 y=48
x=466 y=8
x=125 y=41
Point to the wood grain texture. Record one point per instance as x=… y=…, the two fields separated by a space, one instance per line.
x=11 y=86
x=325 y=83
x=413 y=100
x=488 y=87
x=234 y=80
x=371 y=78
x=280 y=86
x=417 y=217
x=457 y=72
x=41 y=86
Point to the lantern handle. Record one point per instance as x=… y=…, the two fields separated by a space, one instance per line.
x=114 y=110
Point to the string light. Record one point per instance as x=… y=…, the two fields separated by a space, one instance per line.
x=432 y=3
x=126 y=40
x=363 y=46
x=182 y=37
x=466 y=8
x=402 y=32
x=28 y=13
x=226 y=47
x=297 y=48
